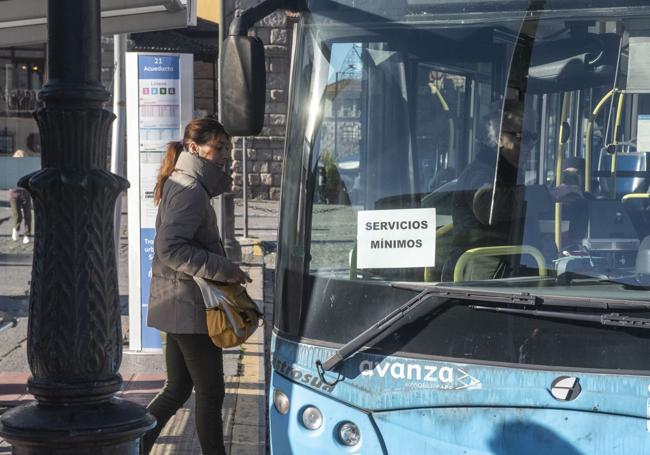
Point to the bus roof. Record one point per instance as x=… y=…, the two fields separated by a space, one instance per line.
x=404 y=8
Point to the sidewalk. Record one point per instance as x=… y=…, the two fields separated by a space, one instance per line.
x=244 y=412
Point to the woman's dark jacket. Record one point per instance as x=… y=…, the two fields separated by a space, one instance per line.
x=187 y=244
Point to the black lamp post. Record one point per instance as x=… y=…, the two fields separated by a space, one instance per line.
x=74 y=338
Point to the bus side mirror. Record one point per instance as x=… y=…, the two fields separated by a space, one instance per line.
x=243 y=85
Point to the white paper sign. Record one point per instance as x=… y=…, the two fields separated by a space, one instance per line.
x=643 y=133
x=391 y=239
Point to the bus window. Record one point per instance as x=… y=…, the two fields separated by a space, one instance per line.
x=439 y=118
x=500 y=141
x=337 y=178
x=394 y=132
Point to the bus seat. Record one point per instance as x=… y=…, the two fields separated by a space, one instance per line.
x=524 y=232
x=487 y=267
x=612 y=232
x=442 y=177
x=631 y=169
x=539 y=223
x=637 y=206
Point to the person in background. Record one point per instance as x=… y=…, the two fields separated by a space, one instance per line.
x=21 y=208
x=576 y=206
x=21 y=212
x=34 y=143
x=188 y=244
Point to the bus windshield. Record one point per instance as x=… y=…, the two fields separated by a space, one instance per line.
x=506 y=152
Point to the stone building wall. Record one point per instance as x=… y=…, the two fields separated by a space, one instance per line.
x=264 y=153
x=205 y=88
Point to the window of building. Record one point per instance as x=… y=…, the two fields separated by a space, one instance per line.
x=22 y=75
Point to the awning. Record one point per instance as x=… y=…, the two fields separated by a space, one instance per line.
x=24 y=21
x=201 y=41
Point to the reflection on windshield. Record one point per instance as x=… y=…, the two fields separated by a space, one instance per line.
x=503 y=156
x=524 y=148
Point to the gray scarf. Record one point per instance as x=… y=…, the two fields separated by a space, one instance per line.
x=211 y=176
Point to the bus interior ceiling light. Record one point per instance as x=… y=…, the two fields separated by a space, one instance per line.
x=312 y=418
x=349 y=434
x=280 y=401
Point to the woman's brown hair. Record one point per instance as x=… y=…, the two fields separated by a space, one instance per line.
x=201 y=131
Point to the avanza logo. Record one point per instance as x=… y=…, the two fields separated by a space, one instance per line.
x=419 y=375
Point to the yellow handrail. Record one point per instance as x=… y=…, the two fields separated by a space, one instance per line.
x=442 y=230
x=617 y=124
x=445 y=107
x=505 y=250
x=435 y=91
x=619 y=113
x=636 y=196
x=558 y=168
x=588 y=133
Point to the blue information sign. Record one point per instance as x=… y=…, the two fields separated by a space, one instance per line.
x=163 y=92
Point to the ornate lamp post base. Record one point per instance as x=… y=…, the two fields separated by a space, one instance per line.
x=111 y=428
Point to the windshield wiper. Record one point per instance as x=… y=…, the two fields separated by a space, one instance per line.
x=471 y=293
x=388 y=324
x=611 y=319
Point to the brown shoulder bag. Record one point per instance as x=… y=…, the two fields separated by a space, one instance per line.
x=231 y=315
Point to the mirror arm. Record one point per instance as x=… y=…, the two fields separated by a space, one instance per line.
x=242 y=23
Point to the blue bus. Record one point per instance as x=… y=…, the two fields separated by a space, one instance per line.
x=464 y=245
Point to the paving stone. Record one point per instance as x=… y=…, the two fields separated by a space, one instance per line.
x=247 y=434
x=246 y=449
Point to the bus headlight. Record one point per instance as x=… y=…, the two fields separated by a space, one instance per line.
x=281 y=401
x=312 y=418
x=349 y=434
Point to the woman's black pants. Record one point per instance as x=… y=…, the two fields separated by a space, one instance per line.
x=21 y=209
x=193 y=361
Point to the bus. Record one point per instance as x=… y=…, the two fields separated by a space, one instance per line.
x=464 y=246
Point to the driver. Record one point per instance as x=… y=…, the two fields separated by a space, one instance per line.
x=484 y=204
x=473 y=203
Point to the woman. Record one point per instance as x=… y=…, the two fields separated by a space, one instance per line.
x=21 y=207
x=21 y=211
x=187 y=244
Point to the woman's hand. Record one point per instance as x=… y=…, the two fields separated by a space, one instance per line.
x=239 y=276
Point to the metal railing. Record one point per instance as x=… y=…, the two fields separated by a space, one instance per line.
x=7 y=323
